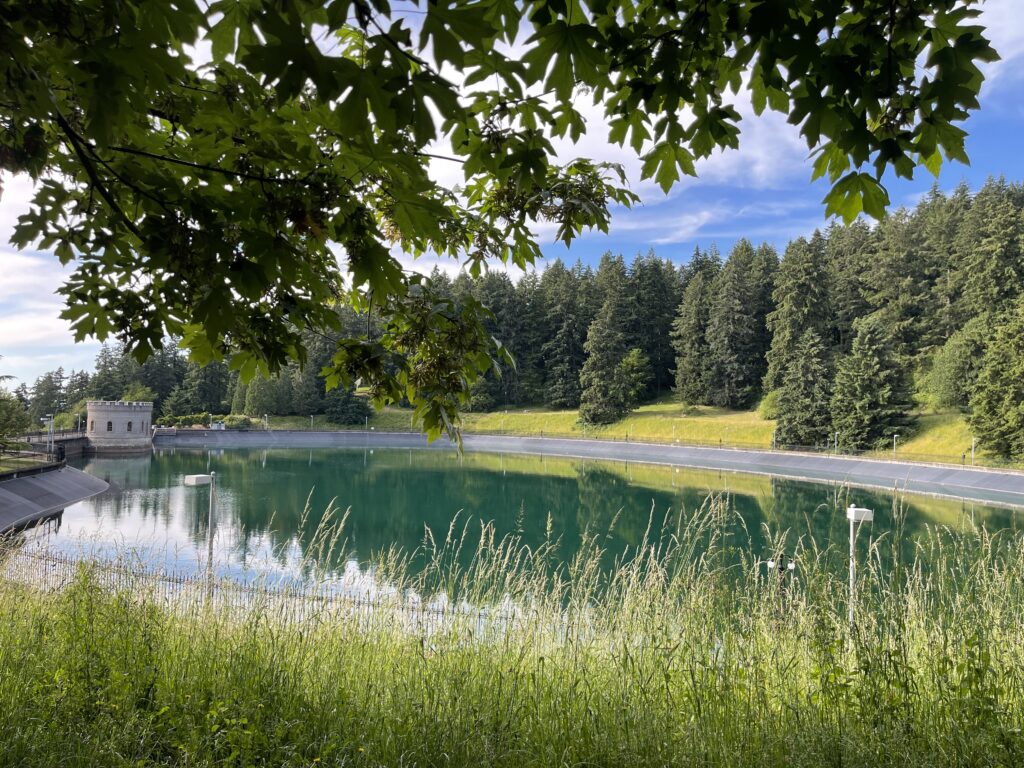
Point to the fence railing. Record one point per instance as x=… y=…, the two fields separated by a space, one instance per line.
x=53 y=572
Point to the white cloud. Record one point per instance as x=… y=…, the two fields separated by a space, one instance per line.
x=1004 y=23
x=15 y=197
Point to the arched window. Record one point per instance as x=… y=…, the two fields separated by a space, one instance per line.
x=92 y=425
x=129 y=426
x=110 y=426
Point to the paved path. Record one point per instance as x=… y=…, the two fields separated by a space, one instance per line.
x=998 y=487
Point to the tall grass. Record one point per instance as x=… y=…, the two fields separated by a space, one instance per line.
x=685 y=652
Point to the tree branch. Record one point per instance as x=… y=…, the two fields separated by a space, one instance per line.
x=94 y=178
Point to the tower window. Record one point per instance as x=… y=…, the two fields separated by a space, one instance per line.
x=129 y=426
x=110 y=426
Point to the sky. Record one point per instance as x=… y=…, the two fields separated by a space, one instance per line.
x=761 y=192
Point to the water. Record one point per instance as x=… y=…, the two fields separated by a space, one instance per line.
x=394 y=496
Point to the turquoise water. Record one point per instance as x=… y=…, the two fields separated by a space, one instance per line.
x=392 y=497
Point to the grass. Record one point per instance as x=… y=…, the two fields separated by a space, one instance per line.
x=674 y=658
x=944 y=437
x=10 y=462
x=662 y=421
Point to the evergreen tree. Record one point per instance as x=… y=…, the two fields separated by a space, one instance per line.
x=849 y=251
x=48 y=395
x=500 y=385
x=238 y=397
x=162 y=372
x=77 y=387
x=997 y=402
x=565 y=311
x=801 y=304
x=344 y=406
x=203 y=390
x=804 y=400
x=955 y=366
x=901 y=286
x=532 y=335
x=989 y=252
x=115 y=370
x=872 y=397
x=690 y=328
x=605 y=396
x=651 y=309
x=736 y=330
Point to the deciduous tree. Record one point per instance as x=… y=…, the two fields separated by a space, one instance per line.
x=207 y=198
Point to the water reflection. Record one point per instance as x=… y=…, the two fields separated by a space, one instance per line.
x=270 y=501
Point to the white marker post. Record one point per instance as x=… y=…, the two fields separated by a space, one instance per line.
x=210 y=480
x=855 y=515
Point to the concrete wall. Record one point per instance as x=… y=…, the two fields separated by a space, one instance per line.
x=119 y=426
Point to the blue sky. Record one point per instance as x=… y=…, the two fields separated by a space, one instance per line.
x=761 y=192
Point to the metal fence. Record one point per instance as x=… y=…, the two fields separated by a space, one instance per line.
x=53 y=572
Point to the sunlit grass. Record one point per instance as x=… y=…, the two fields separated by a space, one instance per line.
x=685 y=653
x=663 y=421
x=943 y=437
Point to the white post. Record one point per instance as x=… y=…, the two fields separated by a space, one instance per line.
x=311 y=422
x=209 y=535
x=855 y=515
x=837 y=443
x=894 y=445
x=853 y=574
x=974 y=442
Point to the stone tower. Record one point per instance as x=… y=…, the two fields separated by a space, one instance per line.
x=117 y=426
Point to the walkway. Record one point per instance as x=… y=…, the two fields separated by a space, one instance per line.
x=1003 y=488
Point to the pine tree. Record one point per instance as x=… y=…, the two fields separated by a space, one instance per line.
x=343 y=406
x=989 y=251
x=533 y=333
x=848 y=251
x=605 y=397
x=652 y=306
x=564 y=294
x=804 y=404
x=801 y=304
x=997 y=403
x=690 y=328
x=872 y=397
x=736 y=330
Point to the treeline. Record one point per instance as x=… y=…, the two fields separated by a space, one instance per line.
x=839 y=339
x=179 y=388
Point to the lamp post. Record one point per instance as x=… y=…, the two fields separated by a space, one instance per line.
x=311 y=422
x=210 y=480
x=974 y=443
x=856 y=516
x=894 y=437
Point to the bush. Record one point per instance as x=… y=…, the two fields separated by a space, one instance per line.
x=768 y=408
x=239 y=422
x=190 y=420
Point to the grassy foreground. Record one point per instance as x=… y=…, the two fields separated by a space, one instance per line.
x=672 y=659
